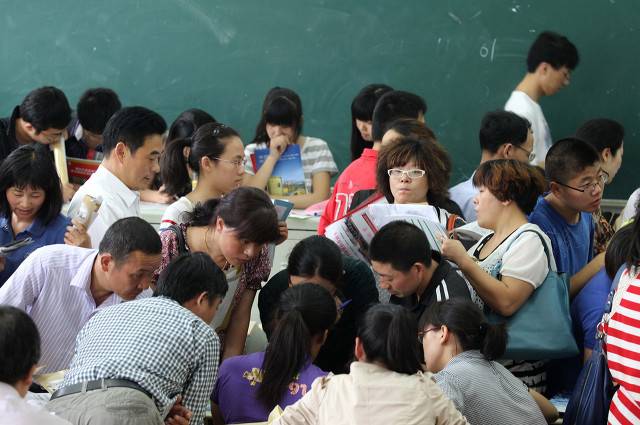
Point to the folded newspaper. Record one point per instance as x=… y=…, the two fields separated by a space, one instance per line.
x=354 y=232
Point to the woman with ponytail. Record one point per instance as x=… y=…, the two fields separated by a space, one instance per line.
x=461 y=347
x=385 y=386
x=250 y=386
x=215 y=154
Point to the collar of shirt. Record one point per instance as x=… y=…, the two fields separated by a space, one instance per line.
x=82 y=280
x=7 y=391
x=369 y=153
x=35 y=229
x=117 y=186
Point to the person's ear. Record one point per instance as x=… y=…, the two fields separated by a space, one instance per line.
x=359 y=350
x=29 y=128
x=120 y=151
x=419 y=268
x=554 y=188
x=203 y=299
x=219 y=224
x=105 y=261
x=606 y=155
x=507 y=151
x=445 y=335
x=205 y=164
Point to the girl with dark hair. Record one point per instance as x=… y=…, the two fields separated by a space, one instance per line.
x=318 y=260
x=215 y=156
x=622 y=330
x=360 y=174
x=460 y=347
x=187 y=123
x=234 y=231
x=280 y=126
x=386 y=384
x=250 y=386
x=30 y=205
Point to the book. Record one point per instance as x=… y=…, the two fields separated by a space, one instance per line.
x=81 y=169
x=287 y=178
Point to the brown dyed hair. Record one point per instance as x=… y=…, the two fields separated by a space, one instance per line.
x=427 y=154
x=511 y=180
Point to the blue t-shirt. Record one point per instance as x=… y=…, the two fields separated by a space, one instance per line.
x=238 y=380
x=572 y=243
x=587 y=308
x=52 y=233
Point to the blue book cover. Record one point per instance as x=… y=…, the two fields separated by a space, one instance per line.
x=287 y=177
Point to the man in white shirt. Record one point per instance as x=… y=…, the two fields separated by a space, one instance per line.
x=503 y=135
x=551 y=59
x=20 y=352
x=132 y=145
x=62 y=287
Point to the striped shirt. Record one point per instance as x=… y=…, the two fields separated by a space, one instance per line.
x=486 y=393
x=623 y=349
x=156 y=343
x=315 y=154
x=53 y=286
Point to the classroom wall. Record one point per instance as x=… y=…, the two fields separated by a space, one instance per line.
x=463 y=56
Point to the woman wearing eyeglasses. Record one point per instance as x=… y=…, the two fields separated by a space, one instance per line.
x=215 y=154
x=460 y=347
x=513 y=252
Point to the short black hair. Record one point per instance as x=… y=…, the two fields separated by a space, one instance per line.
x=554 y=49
x=500 y=127
x=282 y=106
x=189 y=275
x=392 y=106
x=617 y=250
x=131 y=125
x=316 y=255
x=95 y=107
x=19 y=344
x=45 y=108
x=568 y=157
x=31 y=166
x=602 y=133
x=400 y=244
x=128 y=235
x=187 y=123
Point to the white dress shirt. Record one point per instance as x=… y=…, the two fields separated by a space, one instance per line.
x=118 y=201
x=15 y=410
x=53 y=286
x=463 y=194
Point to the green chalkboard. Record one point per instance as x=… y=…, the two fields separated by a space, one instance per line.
x=463 y=56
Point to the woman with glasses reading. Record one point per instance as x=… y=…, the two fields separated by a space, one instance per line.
x=506 y=266
x=215 y=154
x=460 y=348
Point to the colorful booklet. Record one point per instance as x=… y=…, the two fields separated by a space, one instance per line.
x=80 y=170
x=287 y=177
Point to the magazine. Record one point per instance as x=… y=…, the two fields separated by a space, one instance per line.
x=287 y=178
x=80 y=170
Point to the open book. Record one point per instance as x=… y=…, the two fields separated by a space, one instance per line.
x=287 y=177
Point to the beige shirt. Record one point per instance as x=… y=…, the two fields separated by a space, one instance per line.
x=372 y=395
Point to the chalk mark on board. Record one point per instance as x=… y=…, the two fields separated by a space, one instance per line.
x=475 y=15
x=455 y=18
x=484 y=50
x=223 y=33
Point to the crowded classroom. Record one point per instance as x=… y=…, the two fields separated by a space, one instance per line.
x=319 y=212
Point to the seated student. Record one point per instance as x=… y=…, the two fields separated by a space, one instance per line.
x=94 y=109
x=460 y=347
x=20 y=352
x=233 y=231
x=411 y=272
x=630 y=208
x=132 y=144
x=362 y=108
x=607 y=137
x=280 y=126
x=30 y=204
x=62 y=286
x=503 y=135
x=576 y=181
x=550 y=61
x=385 y=385
x=249 y=387
x=361 y=173
x=216 y=156
x=621 y=337
x=587 y=307
x=317 y=259
x=41 y=118
x=508 y=192
x=149 y=360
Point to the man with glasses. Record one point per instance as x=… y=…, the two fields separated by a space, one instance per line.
x=503 y=135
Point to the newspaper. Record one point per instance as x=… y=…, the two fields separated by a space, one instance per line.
x=354 y=232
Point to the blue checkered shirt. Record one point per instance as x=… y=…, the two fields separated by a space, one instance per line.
x=156 y=343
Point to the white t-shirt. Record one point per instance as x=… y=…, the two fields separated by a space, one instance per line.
x=629 y=211
x=176 y=212
x=315 y=154
x=525 y=259
x=16 y=410
x=521 y=104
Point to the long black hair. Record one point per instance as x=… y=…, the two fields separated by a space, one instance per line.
x=207 y=141
x=281 y=106
x=304 y=311
x=362 y=109
x=388 y=333
x=467 y=322
x=246 y=210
